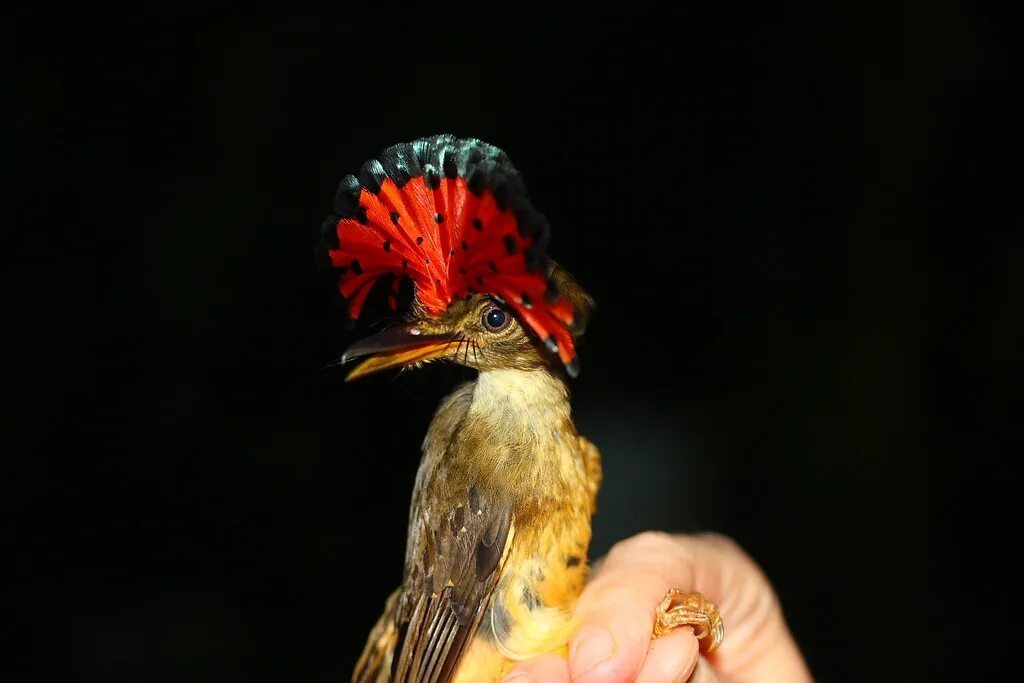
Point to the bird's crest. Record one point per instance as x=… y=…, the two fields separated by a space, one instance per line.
x=453 y=216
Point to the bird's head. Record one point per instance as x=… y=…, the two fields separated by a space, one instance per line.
x=453 y=216
x=478 y=331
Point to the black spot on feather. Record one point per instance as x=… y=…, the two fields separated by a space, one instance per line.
x=510 y=244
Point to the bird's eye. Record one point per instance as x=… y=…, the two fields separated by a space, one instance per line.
x=496 y=319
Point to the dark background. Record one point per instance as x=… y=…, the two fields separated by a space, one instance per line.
x=802 y=227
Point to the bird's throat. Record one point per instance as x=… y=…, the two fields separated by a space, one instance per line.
x=529 y=402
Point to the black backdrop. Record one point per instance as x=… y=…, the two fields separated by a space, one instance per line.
x=802 y=228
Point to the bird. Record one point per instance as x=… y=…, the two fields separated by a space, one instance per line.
x=500 y=516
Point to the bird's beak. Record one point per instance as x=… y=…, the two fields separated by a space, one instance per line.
x=396 y=347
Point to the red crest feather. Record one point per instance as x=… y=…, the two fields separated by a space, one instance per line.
x=453 y=216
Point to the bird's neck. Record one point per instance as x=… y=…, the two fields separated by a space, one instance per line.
x=509 y=427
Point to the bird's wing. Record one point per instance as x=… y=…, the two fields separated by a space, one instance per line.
x=374 y=666
x=454 y=560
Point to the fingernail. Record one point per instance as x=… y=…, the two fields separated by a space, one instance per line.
x=518 y=676
x=591 y=647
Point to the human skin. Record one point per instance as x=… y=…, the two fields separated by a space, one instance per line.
x=616 y=612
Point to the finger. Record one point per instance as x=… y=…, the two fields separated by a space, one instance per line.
x=541 y=669
x=616 y=609
x=671 y=658
x=758 y=645
x=705 y=673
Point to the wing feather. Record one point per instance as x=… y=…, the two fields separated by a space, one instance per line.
x=454 y=562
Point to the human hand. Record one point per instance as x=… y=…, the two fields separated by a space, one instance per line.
x=616 y=614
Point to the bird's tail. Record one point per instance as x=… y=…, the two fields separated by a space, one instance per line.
x=374 y=666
